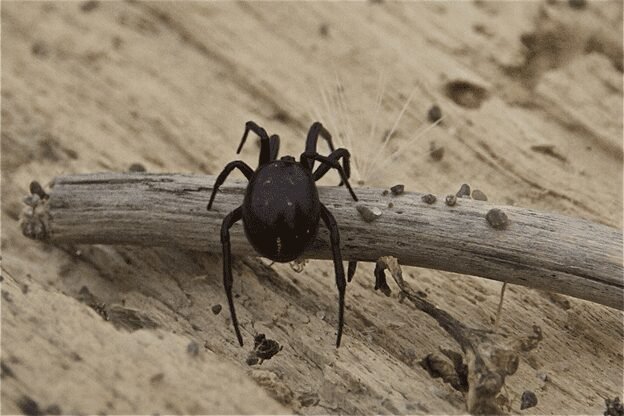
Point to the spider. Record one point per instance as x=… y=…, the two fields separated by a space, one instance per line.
x=281 y=210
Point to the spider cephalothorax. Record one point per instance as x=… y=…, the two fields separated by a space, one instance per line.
x=281 y=210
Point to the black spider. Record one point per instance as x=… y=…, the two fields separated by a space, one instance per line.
x=281 y=209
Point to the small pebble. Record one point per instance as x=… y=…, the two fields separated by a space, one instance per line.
x=267 y=349
x=324 y=29
x=429 y=198
x=450 y=200
x=31 y=200
x=157 y=378
x=37 y=189
x=298 y=265
x=28 y=406
x=39 y=49
x=264 y=349
x=497 y=218
x=53 y=409
x=320 y=315
x=577 y=4
x=136 y=167
x=528 y=400
x=435 y=113
x=464 y=191
x=385 y=192
x=258 y=339
x=368 y=214
x=252 y=359
x=216 y=309
x=436 y=152
x=90 y=5
x=192 y=348
x=390 y=205
x=397 y=189
x=479 y=195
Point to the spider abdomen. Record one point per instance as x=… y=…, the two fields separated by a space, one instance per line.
x=281 y=210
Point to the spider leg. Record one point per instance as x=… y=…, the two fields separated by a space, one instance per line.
x=274 y=145
x=228 y=221
x=322 y=170
x=247 y=171
x=265 y=146
x=335 y=155
x=316 y=130
x=341 y=283
x=307 y=158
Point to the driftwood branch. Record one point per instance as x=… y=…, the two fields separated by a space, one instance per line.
x=536 y=249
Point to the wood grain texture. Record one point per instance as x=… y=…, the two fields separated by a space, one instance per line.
x=97 y=86
x=545 y=251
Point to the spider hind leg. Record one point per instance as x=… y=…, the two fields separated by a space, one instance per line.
x=228 y=280
x=341 y=282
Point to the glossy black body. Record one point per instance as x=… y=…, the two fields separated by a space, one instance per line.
x=281 y=210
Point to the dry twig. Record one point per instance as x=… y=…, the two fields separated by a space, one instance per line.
x=535 y=249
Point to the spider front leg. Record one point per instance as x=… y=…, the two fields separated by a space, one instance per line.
x=316 y=130
x=228 y=280
x=307 y=159
x=237 y=164
x=322 y=170
x=274 y=145
x=334 y=237
x=336 y=155
x=269 y=146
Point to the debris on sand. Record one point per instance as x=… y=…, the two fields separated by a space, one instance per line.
x=435 y=113
x=193 y=349
x=37 y=189
x=614 y=407
x=436 y=152
x=264 y=349
x=528 y=400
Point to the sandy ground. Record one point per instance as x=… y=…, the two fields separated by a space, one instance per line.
x=532 y=98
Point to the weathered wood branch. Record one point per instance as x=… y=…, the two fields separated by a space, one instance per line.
x=540 y=250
